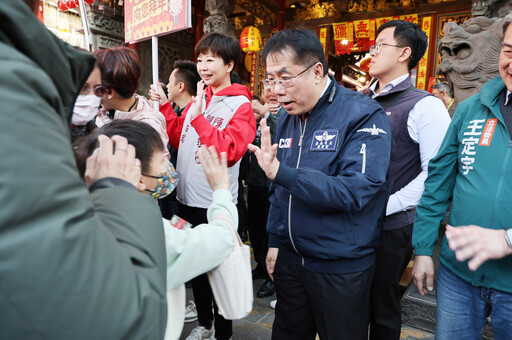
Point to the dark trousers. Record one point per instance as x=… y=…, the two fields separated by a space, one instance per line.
x=201 y=288
x=336 y=306
x=241 y=207
x=393 y=255
x=258 y=205
x=168 y=206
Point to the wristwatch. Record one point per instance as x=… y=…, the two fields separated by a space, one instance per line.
x=508 y=237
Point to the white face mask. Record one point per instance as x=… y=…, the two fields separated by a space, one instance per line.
x=86 y=108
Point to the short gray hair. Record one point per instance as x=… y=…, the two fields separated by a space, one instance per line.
x=506 y=22
x=443 y=87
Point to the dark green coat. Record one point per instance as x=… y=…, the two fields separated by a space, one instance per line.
x=72 y=265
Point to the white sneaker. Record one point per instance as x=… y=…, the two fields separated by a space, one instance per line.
x=201 y=333
x=273 y=304
x=190 y=312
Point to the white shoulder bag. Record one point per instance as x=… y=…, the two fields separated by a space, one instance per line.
x=231 y=281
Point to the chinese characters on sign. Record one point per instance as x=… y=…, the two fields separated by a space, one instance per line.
x=365 y=31
x=362 y=28
x=254 y=62
x=323 y=38
x=421 y=80
x=381 y=21
x=146 y=18
x=410 y=18
x=343 y=37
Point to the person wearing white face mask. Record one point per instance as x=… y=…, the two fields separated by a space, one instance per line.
x=85 y=109
x=87 y=106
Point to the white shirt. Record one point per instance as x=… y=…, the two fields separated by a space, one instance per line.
x=427 y=124
x=507 y=97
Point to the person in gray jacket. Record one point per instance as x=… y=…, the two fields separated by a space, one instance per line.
x=74 y=264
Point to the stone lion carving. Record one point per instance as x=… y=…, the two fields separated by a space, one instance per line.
x=490 y=8
x=480 y=8
x=219 y=23
x=220 y=6
x=215 y=23
x=470 y=54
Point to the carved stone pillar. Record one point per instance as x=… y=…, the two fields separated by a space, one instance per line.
x=218 y=20
x=171 y=47
x=107 y=29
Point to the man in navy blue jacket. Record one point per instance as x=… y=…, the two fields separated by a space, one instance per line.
x=328 y=194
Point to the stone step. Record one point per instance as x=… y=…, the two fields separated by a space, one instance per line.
x=420 y=311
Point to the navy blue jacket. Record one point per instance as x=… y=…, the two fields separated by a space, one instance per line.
x=329 y=194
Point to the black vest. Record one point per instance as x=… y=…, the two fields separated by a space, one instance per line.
x=405 y=161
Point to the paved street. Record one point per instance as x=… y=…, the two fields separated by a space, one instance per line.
x=258 y=324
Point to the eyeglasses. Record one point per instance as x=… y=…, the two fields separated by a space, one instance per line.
x=98 y=91
x=285 y=81
x=378 y=47
x=162 y=174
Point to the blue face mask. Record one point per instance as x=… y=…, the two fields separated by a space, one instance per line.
x=166 y=183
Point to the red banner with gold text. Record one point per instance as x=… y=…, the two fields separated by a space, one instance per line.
x=421 y=79
x=343 y=37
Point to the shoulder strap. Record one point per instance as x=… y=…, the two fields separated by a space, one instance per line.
x=388 y=100
x=231 y=226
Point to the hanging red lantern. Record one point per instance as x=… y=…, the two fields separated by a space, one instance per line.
x=70 y=4
x=62 y=6
x=250 y=39
x=365 y=64
x=89 y=2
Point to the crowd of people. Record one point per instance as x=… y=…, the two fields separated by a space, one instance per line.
x=343 y=188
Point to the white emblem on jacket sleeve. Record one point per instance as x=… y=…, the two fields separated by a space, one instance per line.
x=373 y=130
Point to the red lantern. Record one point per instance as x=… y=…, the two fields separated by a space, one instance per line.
x=365 y=64
x=71 y=4
x=62 y=6
x=250 y=39
x=89 y=2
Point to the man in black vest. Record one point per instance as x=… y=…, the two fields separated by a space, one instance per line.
x=418 y=124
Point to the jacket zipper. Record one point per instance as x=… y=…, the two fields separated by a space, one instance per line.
x=302 y=132
x=500 y=183
x=363 y=152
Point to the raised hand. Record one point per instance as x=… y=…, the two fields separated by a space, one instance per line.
x=198 y=100
x=157 y=94
x=216 y=170
x=266 y=155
